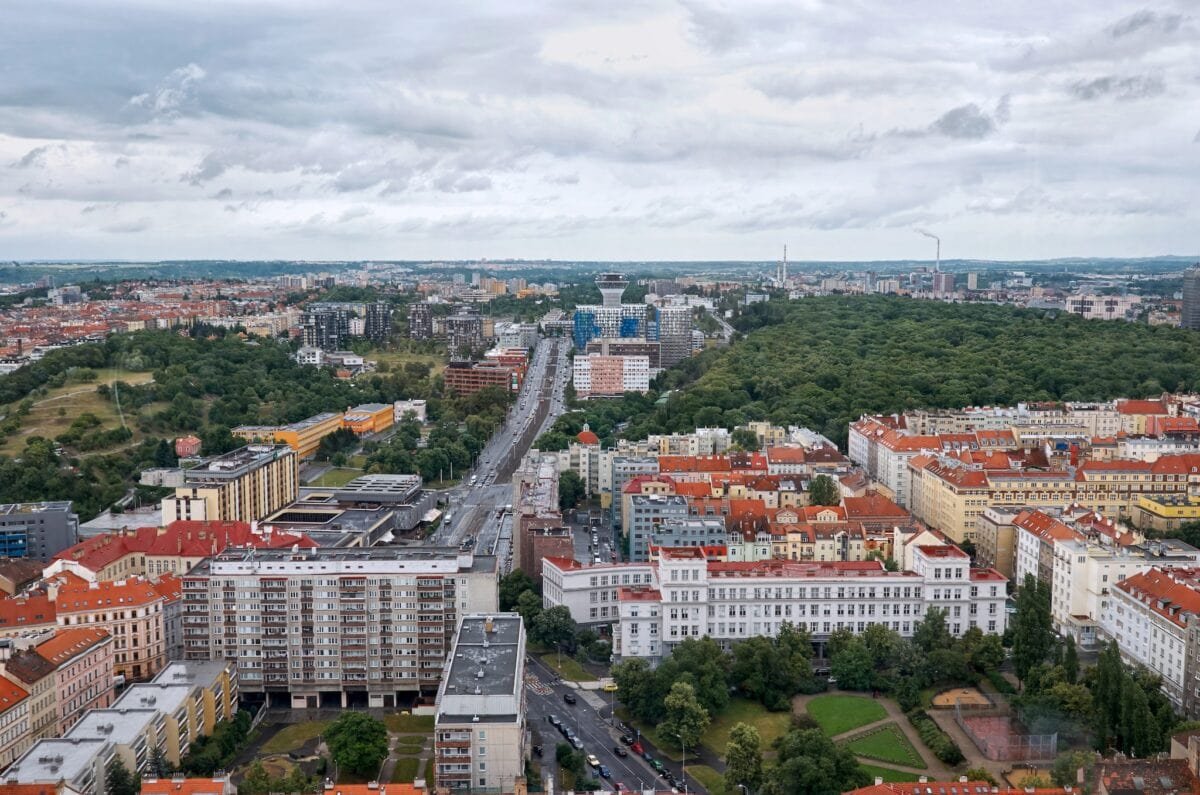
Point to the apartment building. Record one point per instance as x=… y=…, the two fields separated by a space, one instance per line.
x=598 y=375
x=690 y=596
x=590 y=592
x=14 y=721
x=334 y=627
x=1148 y=616
x=479 y=728
x=73 y=766
x=369 y=418
x=1085 y=573
x=647 y=513
x=217 y=785
x=883 y=451
x=467 y=378
x=64 y=674
x=37 y=530
x=20 y=615
x=245 y=485
x=129 y=610
x=996 y=539
x=173 y=549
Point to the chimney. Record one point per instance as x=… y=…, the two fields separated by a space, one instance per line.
x=488 y=626
x=923 y=780
x=962 y=779
x=879 y=781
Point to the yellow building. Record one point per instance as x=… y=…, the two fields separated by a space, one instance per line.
x=1165 y=512
x=370 y=418
x=245 y=485
x=304 y=437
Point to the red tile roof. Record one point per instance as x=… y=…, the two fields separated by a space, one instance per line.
x=942 y=551
x=108 y=594
x=785 y=455
x=70 y=642
x=11 y=693
x=693 y=463
x=1141 y=407
x=565 y=564
x=27 y=611
x=949 y=788
x=639 y=595
x=169 y=587
x=1171 y=594
x=872 y=506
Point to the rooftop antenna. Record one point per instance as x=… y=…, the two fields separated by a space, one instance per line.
x=938 y=263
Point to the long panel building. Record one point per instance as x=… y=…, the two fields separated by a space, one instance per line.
x=244 y=485
x=335 y=627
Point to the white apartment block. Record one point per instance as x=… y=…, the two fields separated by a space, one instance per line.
x=1148 y=615
x=1086 y=574
x=590 y=592
x=334 y=627
x=682 y=595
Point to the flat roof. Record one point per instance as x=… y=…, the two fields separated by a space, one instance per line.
x=118 y=726
x=237 y=462
x=56 y=759
x=192 y=672
x=494 y=654
x=164 y=698
x=34 y=507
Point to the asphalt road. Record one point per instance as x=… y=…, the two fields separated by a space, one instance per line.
x=589 y=718
x=476 y=509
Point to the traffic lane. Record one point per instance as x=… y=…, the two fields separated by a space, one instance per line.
x=592 y=728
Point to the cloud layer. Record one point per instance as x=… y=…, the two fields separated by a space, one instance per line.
x=593 y=130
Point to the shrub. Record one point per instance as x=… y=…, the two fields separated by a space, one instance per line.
x=1000 y=683
x=937 y=741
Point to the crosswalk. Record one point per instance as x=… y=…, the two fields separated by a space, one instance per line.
x=537 y=685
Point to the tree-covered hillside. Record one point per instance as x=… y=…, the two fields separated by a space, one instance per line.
x=822 y=362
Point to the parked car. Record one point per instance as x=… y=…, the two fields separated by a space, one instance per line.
x=609 y=687
x=626 y=739
x=604 y=772
x=657 y=765
x=619 y=751
x=636 y=747
x=554 y=721
x=569 y=698
x=576 y=743
x=593 y=760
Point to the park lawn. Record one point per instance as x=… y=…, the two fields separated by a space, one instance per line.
x=338 y=476
x=712 y=781
x=837 y=714
x=406 y=769
x=409 y=724
x=887 y=744
x=570 y=668
x=770 y=725
x=888 y=774
x=290 y=738
x=396 y=359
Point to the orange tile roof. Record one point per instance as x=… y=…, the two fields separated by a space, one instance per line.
x=1171 y=594
x=942 y=551
x=693 y=463
x=950 y=788
x=641 y=594
x=1141 y=407
x=108 y=594
x=1046 y=527
x=169 y=587
x=69 y=642
x=785 y=455
x=872 y=505
x=11 y=693
x=363 y=789
x=562 y=563
x=188 y=786
x=26 y=611
x=28 y=789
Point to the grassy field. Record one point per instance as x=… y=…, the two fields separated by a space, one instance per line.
x=713 y=781
x=569 y=668
x=888 y=774
x=44 y=418
x=839 y=714
x=397 y=359
x=409 y=724
x=340 y=476
x=770 y=725
x=290 y=738
x=406 y=769
x=887 y=744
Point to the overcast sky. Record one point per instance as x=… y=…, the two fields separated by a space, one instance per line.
x=598 y=130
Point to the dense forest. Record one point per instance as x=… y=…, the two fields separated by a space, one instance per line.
x=822 y=362
x=207 y=385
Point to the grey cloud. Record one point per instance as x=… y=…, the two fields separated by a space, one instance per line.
x=176 y=91
x=127 y=227
x=223 y=193
x=1003 y=109
x=965 y=121
x=1145 y=18
x=453 y=183
x=1121 y=88
x=36 y=156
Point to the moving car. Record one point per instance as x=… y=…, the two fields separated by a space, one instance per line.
x=609 y=687
x=604 y=772
x=619 y=751
x=627 y=739
x=593 y=760
x=569 y=698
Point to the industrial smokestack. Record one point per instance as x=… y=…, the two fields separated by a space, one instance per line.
x=938 y=262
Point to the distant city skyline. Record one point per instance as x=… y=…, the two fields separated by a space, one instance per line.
x=138 y=129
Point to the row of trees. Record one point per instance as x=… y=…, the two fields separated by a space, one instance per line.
x=551 y=627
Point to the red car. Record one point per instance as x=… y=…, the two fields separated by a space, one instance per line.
x=637 y=748
x=619 y=787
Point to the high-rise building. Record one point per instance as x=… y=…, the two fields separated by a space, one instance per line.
x=377 y=322
x=335 y=627
x=464 y=332
x=479 y=731
x=595 y=374
x=673 y=328
x=420 y=321
x=1190 y=318
x=328 y=330
x=972 y=281
x=612 y=287
x=245 y=485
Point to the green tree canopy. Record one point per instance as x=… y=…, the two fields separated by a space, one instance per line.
x=358 y=743
x=743 y=758
x=684 y=719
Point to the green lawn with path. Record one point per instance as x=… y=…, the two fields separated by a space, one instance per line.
x=770 y=725
x=887 y=773
x=406 y=769
x=838 y=714
x=886 y=743
x=568 y=669
x=291 y=738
